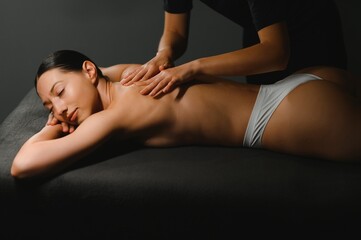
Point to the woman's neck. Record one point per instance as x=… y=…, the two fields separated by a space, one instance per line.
x=104 y=88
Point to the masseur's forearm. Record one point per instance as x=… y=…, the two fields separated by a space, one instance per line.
x=172 y=45
x=256 y=59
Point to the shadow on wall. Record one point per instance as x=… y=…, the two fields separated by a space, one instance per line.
x=349 y=11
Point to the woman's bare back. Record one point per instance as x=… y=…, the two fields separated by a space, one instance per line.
x=213 y=112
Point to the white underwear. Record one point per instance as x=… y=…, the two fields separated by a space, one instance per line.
x=268 y=99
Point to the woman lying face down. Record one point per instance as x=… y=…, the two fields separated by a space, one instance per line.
x=309 y=113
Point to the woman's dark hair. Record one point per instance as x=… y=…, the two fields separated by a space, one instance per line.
x=67 y=60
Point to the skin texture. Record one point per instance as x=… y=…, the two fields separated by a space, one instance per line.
x=318 y=118
x=270 y=54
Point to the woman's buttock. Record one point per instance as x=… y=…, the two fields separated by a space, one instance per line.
x=311 y=118
x=268 y=100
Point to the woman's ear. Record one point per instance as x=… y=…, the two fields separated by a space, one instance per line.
x=90 y=70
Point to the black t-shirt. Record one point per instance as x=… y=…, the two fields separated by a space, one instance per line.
x=314 y=29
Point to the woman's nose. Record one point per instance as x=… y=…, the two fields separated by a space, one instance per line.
x=59 y=108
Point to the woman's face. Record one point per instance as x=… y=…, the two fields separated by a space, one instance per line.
x=70 y=96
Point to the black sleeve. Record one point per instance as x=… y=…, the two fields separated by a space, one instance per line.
x=177 y=6
x=265 y=12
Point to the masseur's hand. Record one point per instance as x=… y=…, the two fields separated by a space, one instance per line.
x=148 y=70
x=67 y=128
x=167 y=80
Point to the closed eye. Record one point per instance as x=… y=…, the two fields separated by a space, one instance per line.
x=48 y=106
x=61 y=92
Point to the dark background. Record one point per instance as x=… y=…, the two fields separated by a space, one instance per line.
x=115 y=31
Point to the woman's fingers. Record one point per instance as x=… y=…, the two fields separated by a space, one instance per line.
x=50 y=117
x=52 y=120
x=71 y=128
x=65 y=127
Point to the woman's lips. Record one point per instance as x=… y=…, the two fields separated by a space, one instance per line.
x=72 y=117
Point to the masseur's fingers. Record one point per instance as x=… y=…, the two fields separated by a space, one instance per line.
x=155 y=86
x=135 y=75
x=145 y=82
x=150 y=73
x=158 y=89
x=165 y=66
x=166 y=80
x=147 y=70
x=130 y=76
x=170 y=86
x=149 y=85
x=135 y=78
x=145 y=74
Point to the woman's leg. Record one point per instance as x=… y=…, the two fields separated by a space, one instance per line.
x=318 y=118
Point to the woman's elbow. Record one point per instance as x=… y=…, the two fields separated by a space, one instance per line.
x=17 y=171
x=20 y=169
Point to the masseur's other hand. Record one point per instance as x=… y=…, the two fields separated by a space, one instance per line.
x=148 y=70
x=67 y=128
x=167 y=80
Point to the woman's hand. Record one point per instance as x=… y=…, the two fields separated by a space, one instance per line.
x=148 y=70
x=167 y=80
x=66 y=128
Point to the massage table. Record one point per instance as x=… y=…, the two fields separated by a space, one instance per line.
x=121 y=191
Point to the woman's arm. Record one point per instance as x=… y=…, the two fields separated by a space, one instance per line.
x=50 y=150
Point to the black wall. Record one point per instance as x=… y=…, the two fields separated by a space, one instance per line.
x=111 y=32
